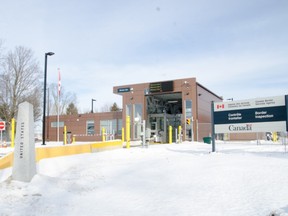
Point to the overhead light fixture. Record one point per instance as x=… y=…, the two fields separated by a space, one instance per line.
x=49 y=53
x=172 y=101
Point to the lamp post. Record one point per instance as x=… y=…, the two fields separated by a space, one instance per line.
x=92 y=104
x=48 y=114
x=44 y=101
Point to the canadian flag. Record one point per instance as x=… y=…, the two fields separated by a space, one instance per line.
x=59 y=82
x=220 y=106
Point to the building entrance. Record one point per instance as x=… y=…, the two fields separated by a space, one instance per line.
x=163 y=110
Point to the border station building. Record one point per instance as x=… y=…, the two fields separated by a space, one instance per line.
x=181 y=102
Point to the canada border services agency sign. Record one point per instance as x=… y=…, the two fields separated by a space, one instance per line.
x=255 y=115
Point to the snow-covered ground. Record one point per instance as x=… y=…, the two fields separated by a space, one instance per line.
x=177 y=179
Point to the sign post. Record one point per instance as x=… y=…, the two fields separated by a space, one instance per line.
x=192 y=128
x=213 y=127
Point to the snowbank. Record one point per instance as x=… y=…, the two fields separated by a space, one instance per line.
x=176 y=179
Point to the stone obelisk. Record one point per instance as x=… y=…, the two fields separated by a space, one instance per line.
x=24 y=166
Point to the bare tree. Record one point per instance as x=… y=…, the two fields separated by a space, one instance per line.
x=106 y=107
x=1 y=50
x=110 y=107
x=65 y=99
x=20 y=81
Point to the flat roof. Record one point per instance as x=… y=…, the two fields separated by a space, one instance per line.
x=146 y=83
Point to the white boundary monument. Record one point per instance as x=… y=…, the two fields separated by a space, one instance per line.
x=24 y=166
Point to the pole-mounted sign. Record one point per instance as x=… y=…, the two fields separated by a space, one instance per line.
x=254 y=115
x=2 y=125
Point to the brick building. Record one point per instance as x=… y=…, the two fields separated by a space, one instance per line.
x=181 y=102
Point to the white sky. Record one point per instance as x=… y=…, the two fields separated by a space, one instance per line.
x=237 y=48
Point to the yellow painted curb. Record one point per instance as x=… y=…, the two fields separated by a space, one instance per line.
x=6 y=161
x=43 y=152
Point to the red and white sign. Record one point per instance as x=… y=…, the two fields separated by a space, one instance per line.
x=2 y=125
x=250 y=103
x=220 y=106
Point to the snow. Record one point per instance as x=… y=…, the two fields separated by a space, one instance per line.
x=176 y=179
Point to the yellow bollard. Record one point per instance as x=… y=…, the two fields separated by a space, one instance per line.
x=12 y=132
x=170 y=134
x=274 y=136
x=73 y=139
x=127 y=131
x=65 y=135
x=123 y=135
x=103 y=134
x=179 y=134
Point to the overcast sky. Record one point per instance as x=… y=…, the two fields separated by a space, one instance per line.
x=236 y=48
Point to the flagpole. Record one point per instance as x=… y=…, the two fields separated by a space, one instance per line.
x=58 y=106
x=58 y=120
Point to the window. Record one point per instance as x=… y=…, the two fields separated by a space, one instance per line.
x=119 y=127
x=129 y=110
x=55 y=124
x=90 y=127
x=138 y=112
x=113 y=126
x=105 y=124
x=138 y=116
x=188 y=109
x=188 y=120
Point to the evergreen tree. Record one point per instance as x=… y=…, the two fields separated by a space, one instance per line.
x=114 y=107
x=71 y=109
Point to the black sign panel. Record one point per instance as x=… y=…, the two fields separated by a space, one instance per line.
x=265 y=114
x=121 y=90
x=253 y=115
x=161 y=87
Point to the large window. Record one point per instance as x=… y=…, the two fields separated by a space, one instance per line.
x=113 y=126
x=188 y=109
x=119 y=128
x=55 y=124
x=129 y=113
x=129 y=110
x=189 y=120
x=138 y=111
x=138 y=117
x=90 y=127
